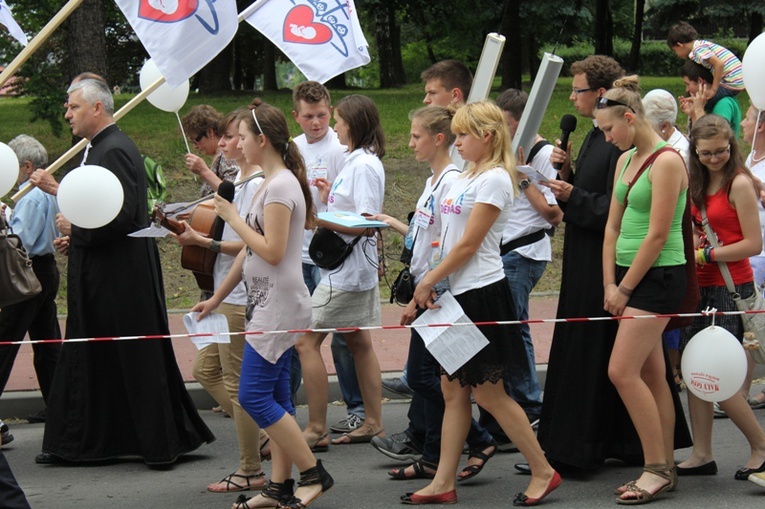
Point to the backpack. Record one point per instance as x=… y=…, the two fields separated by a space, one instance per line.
x=155 y=182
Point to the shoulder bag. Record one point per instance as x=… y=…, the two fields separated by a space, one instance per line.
x=17 y=278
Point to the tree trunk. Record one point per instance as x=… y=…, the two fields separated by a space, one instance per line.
x=86 y=39
x=388 y=41
x=269 y=67
x=604 y=29
x=637 y=36
x=216 y=75
x=755 y=25
x=337 y=83
x=512 y=61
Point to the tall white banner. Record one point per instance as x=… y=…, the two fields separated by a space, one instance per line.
x=6 y=18
x=323 y=38
x=182 y=36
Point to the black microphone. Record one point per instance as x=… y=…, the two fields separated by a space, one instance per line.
x=225 y=190
x=567 y=126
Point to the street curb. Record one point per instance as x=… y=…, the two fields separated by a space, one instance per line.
x=19 y=404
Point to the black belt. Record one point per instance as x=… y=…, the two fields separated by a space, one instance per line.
x=522 y=241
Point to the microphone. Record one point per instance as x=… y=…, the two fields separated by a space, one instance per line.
x=225 y=190
x=567 y=126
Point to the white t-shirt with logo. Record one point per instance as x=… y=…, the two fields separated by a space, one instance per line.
x=493 y=187
x=324 y=158
x=223 y=262
x=359 y=188
x=425 y=226
x=525 y=219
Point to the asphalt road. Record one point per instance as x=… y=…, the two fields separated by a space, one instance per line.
x=359 y=472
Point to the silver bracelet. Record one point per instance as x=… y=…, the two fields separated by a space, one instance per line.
x=214 y=246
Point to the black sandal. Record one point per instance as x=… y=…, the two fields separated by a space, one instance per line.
x=419 y=466
x=232 y=486
x=266 y=457
x=278 y=491
x=314 y=475
x=474 y=470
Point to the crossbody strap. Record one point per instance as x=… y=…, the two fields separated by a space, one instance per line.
x=648 y=162
x=712 y=238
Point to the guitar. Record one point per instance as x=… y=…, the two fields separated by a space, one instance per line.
x=199 y=260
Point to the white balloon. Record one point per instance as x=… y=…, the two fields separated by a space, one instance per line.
x=165 y=97
x=9 y=168
x=714 y=364
x=90 y=196
x=753 y=67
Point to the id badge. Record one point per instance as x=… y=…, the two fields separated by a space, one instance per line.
x=316 y=173
x=422 y=219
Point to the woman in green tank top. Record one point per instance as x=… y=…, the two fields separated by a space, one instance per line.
x=643 y=273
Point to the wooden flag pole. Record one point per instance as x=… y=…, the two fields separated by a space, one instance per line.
x=61 y=161
x=38 y=40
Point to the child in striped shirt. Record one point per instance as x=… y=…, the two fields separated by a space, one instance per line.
x=724 y=65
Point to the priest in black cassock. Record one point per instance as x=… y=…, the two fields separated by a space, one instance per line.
x=583 y=420
x=116 y=399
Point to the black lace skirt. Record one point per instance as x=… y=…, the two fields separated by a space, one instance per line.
x=505 y=352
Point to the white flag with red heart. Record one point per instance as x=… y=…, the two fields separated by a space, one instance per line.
x=323 y=38
x=182 y=36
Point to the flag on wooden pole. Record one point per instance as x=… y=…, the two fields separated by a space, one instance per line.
x=322 y=38
x=6 y=18
x=182 y=36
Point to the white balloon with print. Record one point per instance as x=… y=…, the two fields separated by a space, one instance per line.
x=166 y=98
x=9 y=169
x=90 y=196
x=714 y=364
x=753 y=66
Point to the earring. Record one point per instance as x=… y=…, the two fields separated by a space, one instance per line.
x=663 y=131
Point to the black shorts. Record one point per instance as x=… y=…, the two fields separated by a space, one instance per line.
x=660 y=291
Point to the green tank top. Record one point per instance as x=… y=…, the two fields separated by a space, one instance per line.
x=636 y=219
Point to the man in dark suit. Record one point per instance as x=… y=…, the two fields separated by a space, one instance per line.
x=116 y=398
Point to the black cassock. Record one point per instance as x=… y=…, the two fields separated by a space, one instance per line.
x=119 y=398
x=583 y=420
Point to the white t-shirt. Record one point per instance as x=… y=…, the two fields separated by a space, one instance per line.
x=359 y=188
x=758 y=170
x=525 y=219
x=493 y=187
x=425 y=226
x=679 y=142
x=223 y=262
x=323 y=158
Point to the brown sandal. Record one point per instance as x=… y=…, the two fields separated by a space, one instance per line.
x=642 y=496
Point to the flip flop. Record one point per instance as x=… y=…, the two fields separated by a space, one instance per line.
x=232 y=486
x=316 y=447
x=355 y=439
x=399 y=474
x=474 y=470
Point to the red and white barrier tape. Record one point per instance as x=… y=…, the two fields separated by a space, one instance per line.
x=384 y=327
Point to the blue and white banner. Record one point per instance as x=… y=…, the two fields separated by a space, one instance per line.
x=323 y=38
x=182 y=36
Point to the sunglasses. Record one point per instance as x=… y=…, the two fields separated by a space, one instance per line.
x=604 y=102
x=200 y=136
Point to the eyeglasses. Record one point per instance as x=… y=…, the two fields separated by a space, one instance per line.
x=200 y=136
x=578 y=91
x=704 y=154
x=604 y=102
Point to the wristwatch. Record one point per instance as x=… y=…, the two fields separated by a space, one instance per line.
x=214 y=246
x=523 y=184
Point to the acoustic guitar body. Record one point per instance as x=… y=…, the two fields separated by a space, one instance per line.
x=198 y=259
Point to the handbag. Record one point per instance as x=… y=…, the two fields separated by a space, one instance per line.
x=402 y=289
x=328 y=250
x=754 y=324
x=17 y=278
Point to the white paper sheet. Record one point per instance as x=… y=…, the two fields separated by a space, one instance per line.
x=531 y=173
x=451 y=346
x=214 y=323
x=151 y=231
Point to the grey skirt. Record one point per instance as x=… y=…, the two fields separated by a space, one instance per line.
x=337 y=308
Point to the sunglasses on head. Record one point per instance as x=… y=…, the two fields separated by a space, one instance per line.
x=604 y=102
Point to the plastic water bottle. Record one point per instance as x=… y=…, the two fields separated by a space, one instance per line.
x=435 y=259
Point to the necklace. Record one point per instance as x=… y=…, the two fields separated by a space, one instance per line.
x=755 y=159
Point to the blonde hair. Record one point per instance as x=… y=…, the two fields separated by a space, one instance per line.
x=626 y=90
x=435 y=120
x=478 y=118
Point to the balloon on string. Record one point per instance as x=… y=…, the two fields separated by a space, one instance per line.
x=753 y=67
x=714 y=364
x=166 y=98
x=90 y=196
x=9 y=168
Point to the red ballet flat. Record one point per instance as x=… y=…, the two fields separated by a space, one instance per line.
x=522 y=500
x=450 y=497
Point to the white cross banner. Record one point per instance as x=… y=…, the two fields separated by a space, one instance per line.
x=6 y=18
